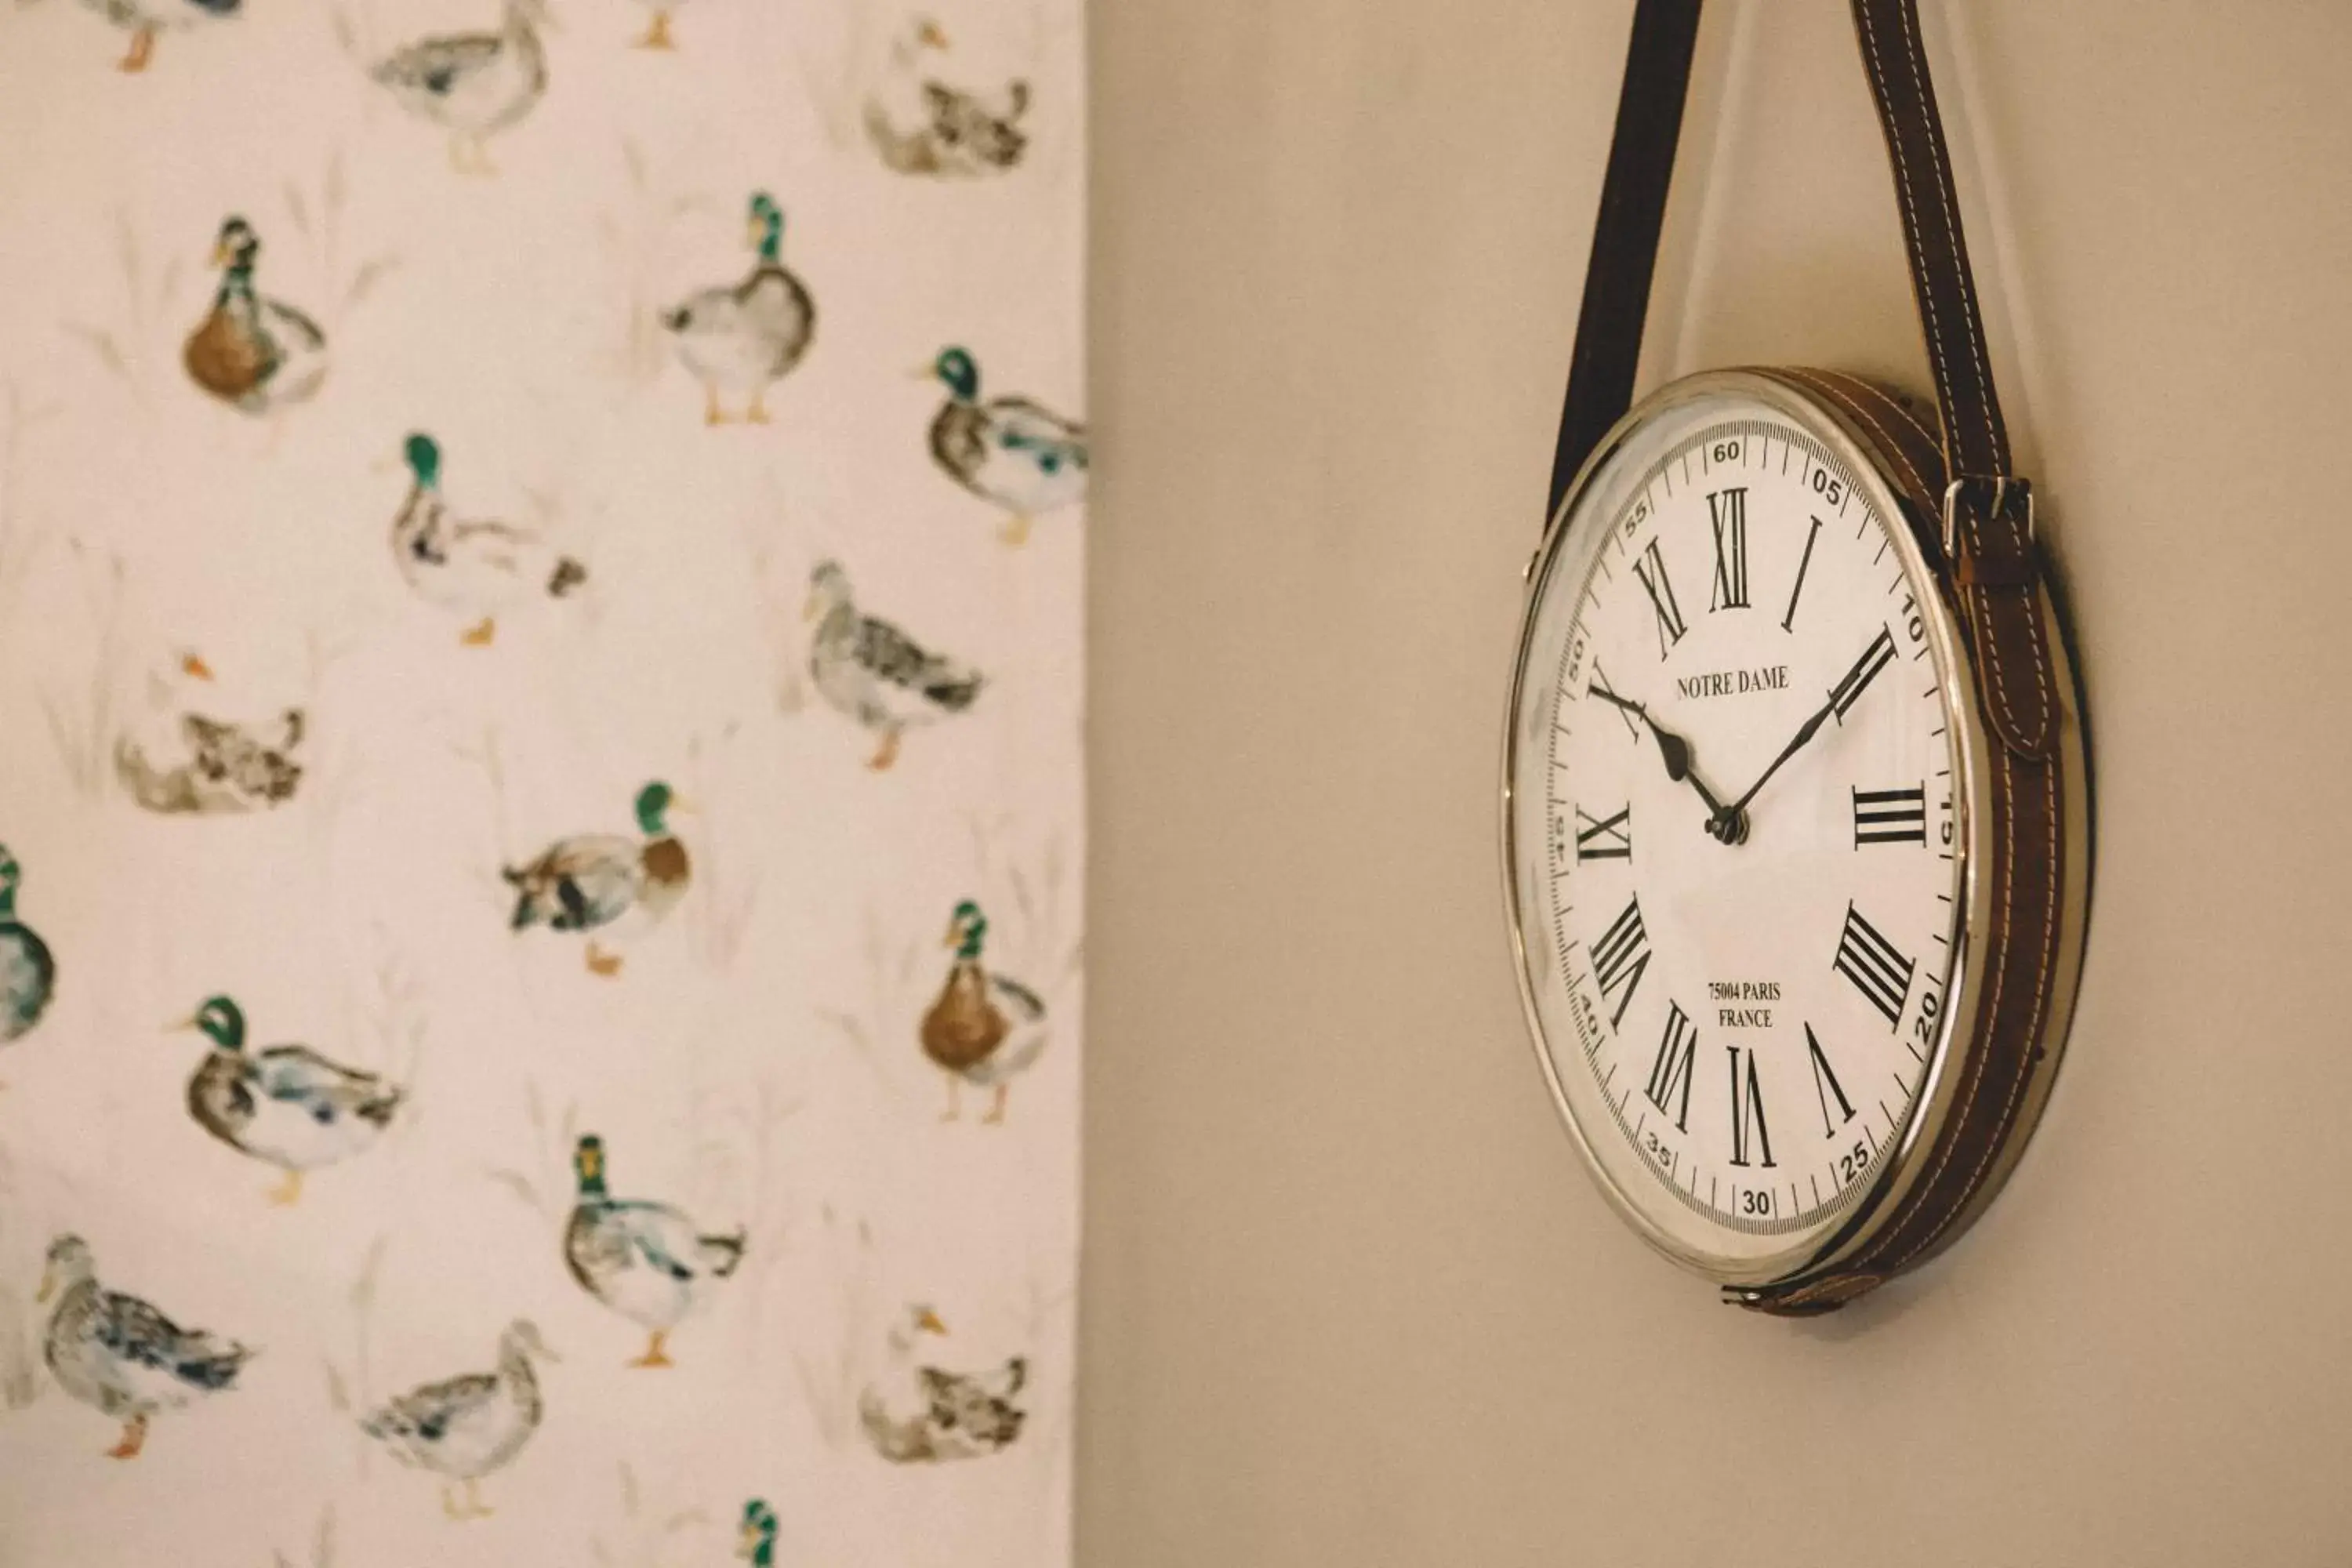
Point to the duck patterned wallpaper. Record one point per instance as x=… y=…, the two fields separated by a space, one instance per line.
x=541 y=558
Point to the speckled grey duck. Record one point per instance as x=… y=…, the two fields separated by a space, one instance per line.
x=28 y=971
x=120 y=1356
x=472 y=85
x=939 y=1415
x=875 y=674
x=465 y=1427
x=285 y=1106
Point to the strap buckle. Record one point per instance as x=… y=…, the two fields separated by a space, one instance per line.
x=2000 y=559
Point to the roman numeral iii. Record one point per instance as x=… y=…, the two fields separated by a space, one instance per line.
x=1727 y=512
x=1650 y=568
x=1748 y=1133
x=1604 y=838
x=1878 y=971
x=1890 y=816
x=1671 y=1070
x=1620 y=957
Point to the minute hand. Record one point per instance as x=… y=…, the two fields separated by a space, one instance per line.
x=1728 y=824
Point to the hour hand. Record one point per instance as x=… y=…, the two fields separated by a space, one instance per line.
x=1672 y=748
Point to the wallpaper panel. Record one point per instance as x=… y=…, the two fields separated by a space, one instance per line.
x=539 y=642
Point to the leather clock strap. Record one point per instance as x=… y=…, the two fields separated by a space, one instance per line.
x=1986 y=543
x=1625 y=234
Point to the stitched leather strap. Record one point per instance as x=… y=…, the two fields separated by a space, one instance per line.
x=1988 y=512
x=2001 y=1059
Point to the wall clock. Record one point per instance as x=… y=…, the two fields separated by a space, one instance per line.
x=1795 y=808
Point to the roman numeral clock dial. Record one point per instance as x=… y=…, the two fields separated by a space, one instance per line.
x=1732 y=742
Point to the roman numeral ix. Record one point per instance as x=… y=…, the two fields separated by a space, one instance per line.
x=1620 y=957
x=1606 y=837
x=1890 y=816
x=1671 y=1070
x=1878 y=971
x=1650 y=568
x=1748 y=1133
x=1727 y=512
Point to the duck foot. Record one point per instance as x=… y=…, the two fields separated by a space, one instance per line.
x=471 y=1506
x=287 y=1193
x=470 y=157
x=995 y=1117
x=142 y=50
x=712 y=415
x=134 y=1438
x=880 y=761
x=955 y=1100
x=657 y=35
x=607 y=964
x=482 y=633
x=1015 y=533
x=657 y=1354
x=758 y=413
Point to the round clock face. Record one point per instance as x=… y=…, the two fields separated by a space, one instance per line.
x=1737 y=846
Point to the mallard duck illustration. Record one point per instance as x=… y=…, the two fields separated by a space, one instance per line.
x=28 y=971
x=646 y=1261
x=656 y=34
x=923 y=125
x=744 y=337
x=142 y=19
x=985 y=1027
x=875 y=673
x=466 y=1427
x=120 y=1356
x=472 y=85
x=175 y=760
x=287 y=1106
x=1021 y=455
x=252 y=353
x=476 y=568
x=919 y=1414
x=755 y=1539
x=589 y=881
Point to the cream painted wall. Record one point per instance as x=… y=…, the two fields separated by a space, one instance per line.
x=1352 y=1299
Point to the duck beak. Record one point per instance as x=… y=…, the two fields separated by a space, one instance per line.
x=179 y=1024
x=927 y=371
x=809 y=610
x=746 y=1543
x=383 y=465
x=196 y=667
x=932 y=35
x=929 y=1323
x=221 y=255
x=686 y=803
